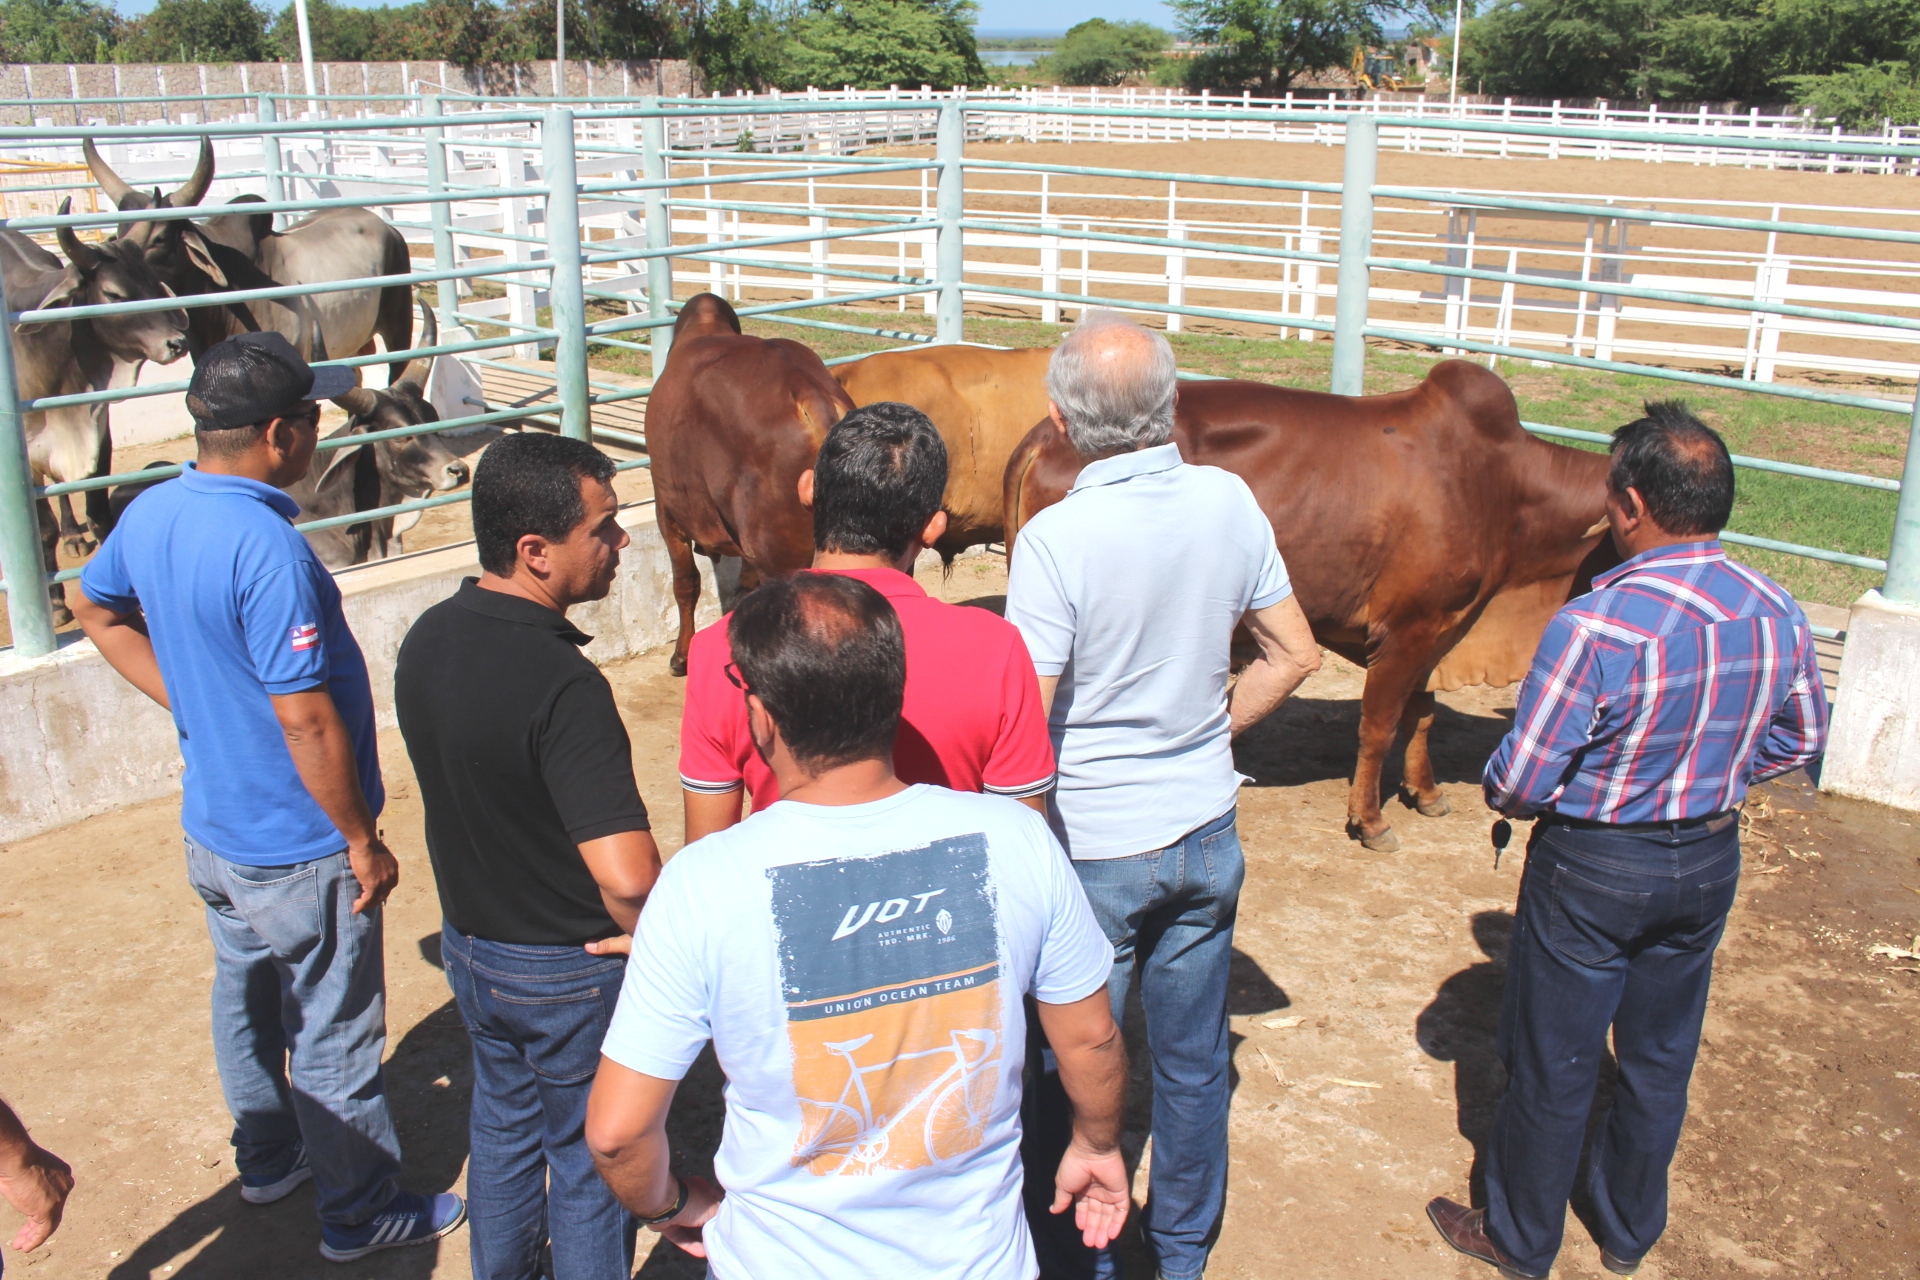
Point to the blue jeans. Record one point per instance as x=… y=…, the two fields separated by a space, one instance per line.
x=536 y=1016
x=300 y=1025
x=1614 y=930
x=1169 y=914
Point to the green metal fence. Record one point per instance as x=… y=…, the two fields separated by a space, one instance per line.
x=427 y=121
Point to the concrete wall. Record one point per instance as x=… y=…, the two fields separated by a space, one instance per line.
x=1874 y=753
x=77 y=740
x=51 y=84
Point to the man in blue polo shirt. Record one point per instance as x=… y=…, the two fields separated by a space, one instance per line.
x=208 y=600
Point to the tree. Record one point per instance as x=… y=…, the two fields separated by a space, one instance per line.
x=339 y=34
x=1557 y=48
x=199 y=31
x=1263 y=44
x=1105 y=53
x=871 y=44
x=56 y=31
x=1860 y=97
x=738 y=44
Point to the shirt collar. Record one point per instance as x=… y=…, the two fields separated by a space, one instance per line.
x=1125 y=466
x=498 y=604
x=1705 y=551
x=198 y=481
x=891 y=583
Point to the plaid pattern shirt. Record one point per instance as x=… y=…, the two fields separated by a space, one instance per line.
x=1681 y=679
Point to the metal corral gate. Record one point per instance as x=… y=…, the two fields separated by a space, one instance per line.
x=592 y=154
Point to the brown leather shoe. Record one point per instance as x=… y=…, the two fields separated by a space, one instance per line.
x=1466 y=1230
x=1618 y=1265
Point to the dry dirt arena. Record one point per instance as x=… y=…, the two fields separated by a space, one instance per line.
x=1366 y=993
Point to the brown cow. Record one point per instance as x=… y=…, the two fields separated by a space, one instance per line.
x=731 y=423
x=983 y=401
x=1429 y=537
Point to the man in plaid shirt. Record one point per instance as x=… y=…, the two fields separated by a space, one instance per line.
x=1652 y=705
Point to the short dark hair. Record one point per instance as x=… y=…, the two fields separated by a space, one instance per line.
x=1680 y=466
x=825 y=653
x=529 y=482
x=228 y=441
x=880 y=476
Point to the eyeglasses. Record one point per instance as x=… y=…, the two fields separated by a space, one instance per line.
x=736 y=679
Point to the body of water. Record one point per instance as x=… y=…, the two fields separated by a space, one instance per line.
x=1011 y=57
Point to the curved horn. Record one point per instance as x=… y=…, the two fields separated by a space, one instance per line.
x=196 y=186
x=358 y=401
x=84 y=257
x=110 y=182
x=417 y=369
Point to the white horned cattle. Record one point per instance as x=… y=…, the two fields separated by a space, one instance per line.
x=382 y=473
x=70 y=357
x=241 y=250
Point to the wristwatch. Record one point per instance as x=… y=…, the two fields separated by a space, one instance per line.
x=678 y=1206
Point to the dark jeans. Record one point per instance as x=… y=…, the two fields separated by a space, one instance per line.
x=1169 y=914
x=537 y=1016
x=1614 y=929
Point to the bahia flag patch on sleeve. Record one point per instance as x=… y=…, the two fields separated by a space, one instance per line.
x=303 y=637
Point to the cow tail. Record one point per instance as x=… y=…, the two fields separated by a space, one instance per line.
x=1011 y=498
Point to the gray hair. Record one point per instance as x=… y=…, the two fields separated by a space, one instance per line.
x=1113 y=382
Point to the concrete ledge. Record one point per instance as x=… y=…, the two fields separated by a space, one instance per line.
x=77 y=740
x=1874 y=752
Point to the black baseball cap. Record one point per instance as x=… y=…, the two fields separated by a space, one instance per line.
x=252 y=377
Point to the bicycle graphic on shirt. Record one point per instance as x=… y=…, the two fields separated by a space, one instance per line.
x=956 y=1102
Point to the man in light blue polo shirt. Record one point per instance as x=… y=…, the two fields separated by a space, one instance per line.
x=1127 y=593
x=208 y=600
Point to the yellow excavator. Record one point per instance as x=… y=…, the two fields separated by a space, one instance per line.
x=1376 y=72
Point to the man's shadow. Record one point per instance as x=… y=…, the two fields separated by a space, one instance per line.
x=429 y=1084
x=1462 y=1026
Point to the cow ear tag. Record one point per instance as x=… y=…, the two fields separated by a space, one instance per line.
x=1502 y=836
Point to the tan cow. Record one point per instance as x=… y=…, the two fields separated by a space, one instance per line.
x=983 y=401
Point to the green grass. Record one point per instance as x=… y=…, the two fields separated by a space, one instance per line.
x=1786 y=508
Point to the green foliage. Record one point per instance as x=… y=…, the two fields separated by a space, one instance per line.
x=339 y=34
x=197 y=31
x=1098 y=52
x=739 y=44
x=871 y=44
x=1684 y=50
x=55 y=30
x=1860 y=97
x=1263 y=44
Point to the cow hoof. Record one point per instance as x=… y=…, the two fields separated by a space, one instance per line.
x=61 y=614
x=1382 y=842
x=678 y=666
x=1438 y=807
x=78 y=548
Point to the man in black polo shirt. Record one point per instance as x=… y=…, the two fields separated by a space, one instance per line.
x=540 y=845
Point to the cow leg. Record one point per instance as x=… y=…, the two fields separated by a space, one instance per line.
x=71 y=536
x=686 y=584
x=1393 y=675
x=1416 y=725
x=50 y=560
x=99 y=508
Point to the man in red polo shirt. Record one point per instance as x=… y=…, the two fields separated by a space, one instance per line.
x=972 y=720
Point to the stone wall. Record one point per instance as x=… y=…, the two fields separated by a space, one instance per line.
x=52 y=87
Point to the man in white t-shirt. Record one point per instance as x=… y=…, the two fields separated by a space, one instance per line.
x=858 y=953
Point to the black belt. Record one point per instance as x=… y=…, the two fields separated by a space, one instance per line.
x=1712 y=822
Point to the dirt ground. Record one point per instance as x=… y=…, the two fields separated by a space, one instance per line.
x=1365 y=999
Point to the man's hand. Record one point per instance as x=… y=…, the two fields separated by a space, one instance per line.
x=703 y=1201
x=620 y=944
x=377 y=870
x=37 y=1186
x=1095 y=1184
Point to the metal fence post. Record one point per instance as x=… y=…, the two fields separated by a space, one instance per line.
x=270 y=160
x=441 y=211
x=1903 y=560
x=950 y=256
x=653 y=167
x=1356 y=243
x=28 y=609
x=567 y=290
